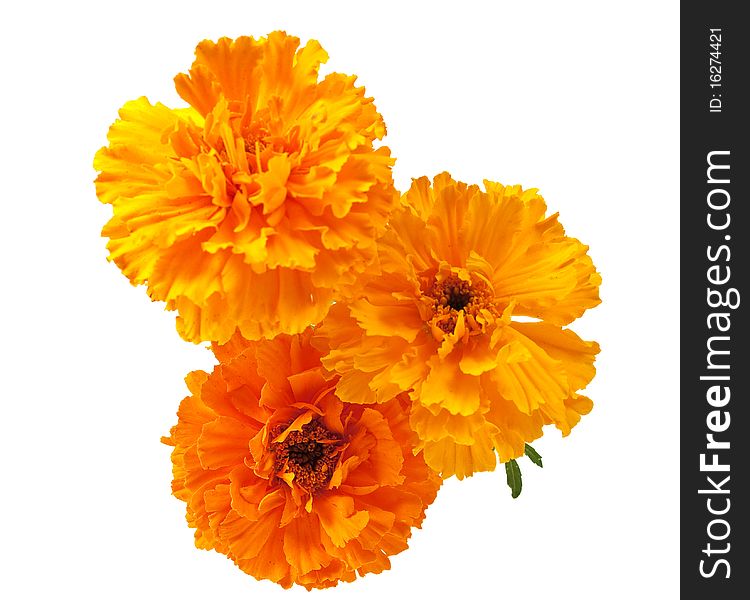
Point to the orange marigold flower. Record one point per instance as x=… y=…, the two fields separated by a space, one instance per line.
x=248 y=208
x=286 y=480
x=458 y=266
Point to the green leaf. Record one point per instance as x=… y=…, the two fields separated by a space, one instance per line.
x=535 y=457
x=513 y=475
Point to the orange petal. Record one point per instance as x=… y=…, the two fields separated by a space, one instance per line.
x=449 y=458
x=302 y=546
x=339 y=519
x=447 y=386
x=223 y=442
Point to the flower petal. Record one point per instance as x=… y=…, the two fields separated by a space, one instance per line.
x=448 y=387
x=449 y=458
x=339 y=519
x=224 y=442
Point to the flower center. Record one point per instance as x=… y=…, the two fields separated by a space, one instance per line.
x=310 y=453
x=255 y=142
x=452 y=296
x=457 y=295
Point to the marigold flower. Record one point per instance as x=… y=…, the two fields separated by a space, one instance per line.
x=459 y=265
x=248 y=208
x=286 y=480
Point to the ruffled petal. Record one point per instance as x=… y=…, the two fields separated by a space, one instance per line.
x=447 y=386
x=450 y=458
x=339 y=519
x=223 y=442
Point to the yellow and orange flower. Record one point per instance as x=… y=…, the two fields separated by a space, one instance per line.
x=248 y=208
x=459 y=266
x=286 y=480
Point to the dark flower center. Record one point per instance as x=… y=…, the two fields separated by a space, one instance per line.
x=310 y=454
x=453 y=295
x=457 y=295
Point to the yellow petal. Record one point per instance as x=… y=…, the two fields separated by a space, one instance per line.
x=449 y=458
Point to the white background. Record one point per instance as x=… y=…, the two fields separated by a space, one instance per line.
x=579 y=99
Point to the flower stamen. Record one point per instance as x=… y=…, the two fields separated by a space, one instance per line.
x=453 y=296
x=310 y=453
